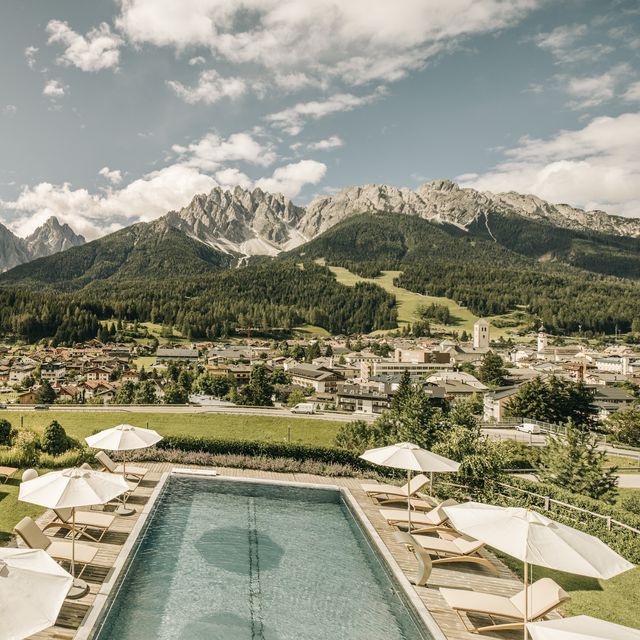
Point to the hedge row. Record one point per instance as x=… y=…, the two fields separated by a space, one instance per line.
x=300 y=452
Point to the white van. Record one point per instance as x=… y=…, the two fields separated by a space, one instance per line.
x=528 y=427
x=303 y=407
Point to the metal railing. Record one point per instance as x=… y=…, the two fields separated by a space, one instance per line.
x=548 y=503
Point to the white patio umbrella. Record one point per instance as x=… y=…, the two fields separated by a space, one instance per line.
x=410 y=457
x=581 y=628
x=124 y=437
x=73 y=488
x=536 y=539
x=33 y=587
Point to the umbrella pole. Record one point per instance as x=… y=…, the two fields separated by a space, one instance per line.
x=431 y=483
x=79 y=588
x=122 y=509
x=409 y=498
x=526 y=598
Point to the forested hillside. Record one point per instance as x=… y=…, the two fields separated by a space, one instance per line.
x=479 y=273
x=270 y=295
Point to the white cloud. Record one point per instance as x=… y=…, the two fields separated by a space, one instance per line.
x=592 y=91
x=54 y=89
x=98 y=49
x=292 y=120
x=197 y=168
x=632 y=94
x=197 y=60
x=30 y=56
x=561 y=40
x=562 y=44
x=594 y=167
x=94 y=215
x=114 y=176
x=291 y=178
x=211 y=87
x=333 y=142
x=9 y=110
x=358 y=41
x=211 y=151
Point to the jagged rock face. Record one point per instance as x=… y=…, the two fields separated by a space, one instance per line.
x=258 y=223
x=242 y=222
x=46 y=240
x=51 y=238
x=13 y=250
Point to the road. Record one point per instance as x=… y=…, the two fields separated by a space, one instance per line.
x=164 y=408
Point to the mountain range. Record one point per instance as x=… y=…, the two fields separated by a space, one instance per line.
x=493 y=253
x=244 y=223
x=52 y=237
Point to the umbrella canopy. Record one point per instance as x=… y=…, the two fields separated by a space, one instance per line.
x=410 y=457
x=536 y=539
x=72 y=488
x=33 y=587
x=580 y=628
x=124 y=437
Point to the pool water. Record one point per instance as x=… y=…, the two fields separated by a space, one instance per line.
x=237 y=560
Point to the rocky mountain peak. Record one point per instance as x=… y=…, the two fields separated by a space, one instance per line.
x=51 y=237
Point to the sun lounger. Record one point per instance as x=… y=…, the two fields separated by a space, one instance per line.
x=421 y=522
x=423 y=559
x=455 y=548
x=138 y=473
x=392 y=493
x=33 y=537
x=544 y=596
x=84 y=520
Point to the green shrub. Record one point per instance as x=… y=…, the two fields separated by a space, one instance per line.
x=631 y=502
x=300 y=452
x=26 y=442
x=66 y=460
x=54 y=439
x=15 y=457
x=6 y=431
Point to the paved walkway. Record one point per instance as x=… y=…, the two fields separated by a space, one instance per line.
x=462 y=575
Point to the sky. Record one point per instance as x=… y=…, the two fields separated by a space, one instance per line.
x=117 y=111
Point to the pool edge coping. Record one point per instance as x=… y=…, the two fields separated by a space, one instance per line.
x=99 y=607
x=94 y=616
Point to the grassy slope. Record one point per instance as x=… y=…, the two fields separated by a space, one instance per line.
x=616 y=600
x=409 y=301
x=12 y=511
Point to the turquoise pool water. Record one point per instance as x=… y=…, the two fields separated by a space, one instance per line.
x=236 y=560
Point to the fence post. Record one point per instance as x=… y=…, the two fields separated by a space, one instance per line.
x=608 y=523
x=547 y=503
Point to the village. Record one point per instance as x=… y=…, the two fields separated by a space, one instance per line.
x=324 y=374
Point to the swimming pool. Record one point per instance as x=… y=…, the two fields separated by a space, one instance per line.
x=238 y=560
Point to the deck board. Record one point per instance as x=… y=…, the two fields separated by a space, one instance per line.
x=462 y=576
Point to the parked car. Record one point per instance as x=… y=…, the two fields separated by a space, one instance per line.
x=3 y=406
x=41 y=407
x=528 y=427
x=304 y=407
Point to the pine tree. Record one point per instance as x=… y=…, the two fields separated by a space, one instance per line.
x=573 y=462
x=492 y=371
x=46 y=393
x=403 y=391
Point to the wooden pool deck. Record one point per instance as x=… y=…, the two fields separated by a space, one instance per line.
x=464 y=576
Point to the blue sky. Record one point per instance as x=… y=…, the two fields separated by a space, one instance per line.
x=115 y=112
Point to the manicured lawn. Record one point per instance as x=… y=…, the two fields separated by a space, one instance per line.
x=616 y=600
x=624 y=461
x=11 y=510
x=269 y=428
